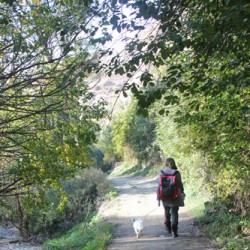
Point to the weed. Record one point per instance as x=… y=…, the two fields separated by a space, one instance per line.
x=110 y=195
x=230 y=230
x=94 y=235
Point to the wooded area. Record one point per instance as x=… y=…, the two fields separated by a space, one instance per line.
x=191 y=101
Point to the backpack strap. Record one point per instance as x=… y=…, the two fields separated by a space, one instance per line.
x=163 y=173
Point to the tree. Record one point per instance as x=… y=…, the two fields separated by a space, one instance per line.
x=105 y=144
x=45 y=58
x=201 y=51
x=133 y=136
x=42 y=54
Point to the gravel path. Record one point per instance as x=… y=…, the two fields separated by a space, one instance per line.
x=137 y=199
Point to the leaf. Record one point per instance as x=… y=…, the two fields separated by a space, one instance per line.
x=143 y=112
x=18 y=42
x=157 y=94
x=125 y=94
x=119 y=28
x=119 y=71
x=9 y=2
x=162 y=111
x=140 y=46
x=113 y=3
x=165 y=53
x=134 y=89
x=114 y=20
x=4 y=21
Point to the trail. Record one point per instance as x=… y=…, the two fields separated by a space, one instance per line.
x=137 y=198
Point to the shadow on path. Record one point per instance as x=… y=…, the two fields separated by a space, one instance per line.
x=137 y=198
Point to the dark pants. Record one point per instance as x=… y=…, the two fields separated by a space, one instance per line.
x=171 y=218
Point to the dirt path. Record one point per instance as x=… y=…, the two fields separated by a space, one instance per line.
x=137 y=198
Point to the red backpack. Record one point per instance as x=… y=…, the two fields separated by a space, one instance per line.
x=168 y=189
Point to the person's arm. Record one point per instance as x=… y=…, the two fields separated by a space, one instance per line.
x=158 y=187
x=179 y=182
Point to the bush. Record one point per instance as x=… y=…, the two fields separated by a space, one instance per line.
x=106 y=145
x=85 y=236
x=96 y=176
x=230 y=230
x=49 y=213
x=98 y=160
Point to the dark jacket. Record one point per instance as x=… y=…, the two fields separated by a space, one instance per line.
x=179 y=202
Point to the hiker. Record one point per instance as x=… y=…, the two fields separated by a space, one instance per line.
x=171 y=204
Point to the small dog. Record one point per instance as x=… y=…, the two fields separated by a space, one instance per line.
x=138 y=226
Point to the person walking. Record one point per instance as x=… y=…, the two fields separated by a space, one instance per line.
x=171 y=207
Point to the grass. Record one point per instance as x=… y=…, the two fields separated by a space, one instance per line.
x=135 y=170
x=230 y=231
x=227 y=229
x=110 y=195
x=195 y=202
x=95 y=235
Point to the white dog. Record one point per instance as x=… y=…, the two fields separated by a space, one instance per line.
x=138 y=226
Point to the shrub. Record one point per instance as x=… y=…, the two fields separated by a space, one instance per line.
x=230 y=230
x=49 y=213
x=93 y=235
x=98 y=160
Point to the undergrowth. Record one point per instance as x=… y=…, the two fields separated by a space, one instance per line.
x=194 y=202
x=230 y=231
x=95 y=235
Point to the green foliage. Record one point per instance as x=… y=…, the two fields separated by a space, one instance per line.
x=61 y=151
x=228 y=229
x=177 y=141
x=231 y=230
x=97 y=157
x=201 y=52
x=36 y=67
x=50 y=212
x=106 y=145
x=110 y=195
x=133 y=136
x=47 y=122
x=48 y=119
x=195 y=200
x=120 y=126
x=93 y=235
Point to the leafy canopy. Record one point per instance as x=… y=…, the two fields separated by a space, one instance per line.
x=47 y=117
